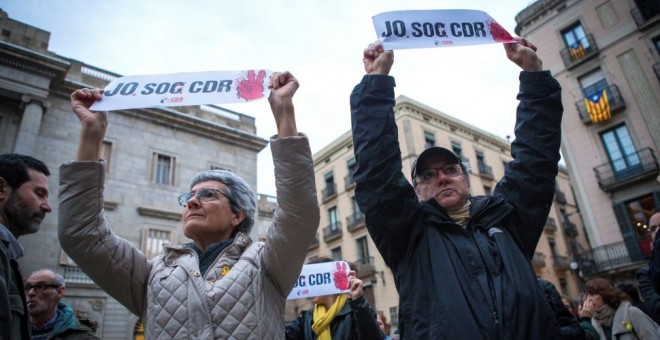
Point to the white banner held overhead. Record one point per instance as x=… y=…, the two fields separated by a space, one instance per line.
x=438 y=28
x=319 y=279
x=182 y=89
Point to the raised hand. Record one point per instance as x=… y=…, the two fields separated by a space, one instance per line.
x=92 y=123
x=251 y=87
x=523 y=54
x=376 y=60
x=356 y=286
x=283 y=85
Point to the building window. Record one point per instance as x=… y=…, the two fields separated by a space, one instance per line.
x=563 y=285
x=336 y=253
x=163 y=172
x=350 y=164
x=106 y=154
x=487 y=190
x=553 y=247
x=576 y=41
x=593 y=83
x=362 y=250
x=329 y=185
x=394 y=317
x=656 y=43
x=429 y=139
x=356 y=207
x=153 y=239
x=620 y=150
x=457 y=149
x=333 y=218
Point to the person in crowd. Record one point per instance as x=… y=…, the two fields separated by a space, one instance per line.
x=222 y=285
x=633 y=296
x=584 y=316
x=51 y=318
x=570 y=305
x=654 y=262
x=651 y=297
x=336 y=317
x=569 y=326
x=383 y=324
x=461 y=263
x=23 y=206
x=613 y=316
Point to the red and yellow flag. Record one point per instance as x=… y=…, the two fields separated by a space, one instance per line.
x=577 y=51
x=598 y=107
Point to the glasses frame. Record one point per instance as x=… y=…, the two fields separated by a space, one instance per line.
x=184 y=198
x=39 y=286
x=652 y=228
x=456 y=166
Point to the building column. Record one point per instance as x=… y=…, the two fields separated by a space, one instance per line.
x=28 y=131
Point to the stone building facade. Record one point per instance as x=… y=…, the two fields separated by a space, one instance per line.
x=151 y=155
x=606 y=55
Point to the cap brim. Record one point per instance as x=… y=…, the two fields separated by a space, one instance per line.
x=435 y=152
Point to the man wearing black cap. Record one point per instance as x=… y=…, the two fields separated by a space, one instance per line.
x=461 y=263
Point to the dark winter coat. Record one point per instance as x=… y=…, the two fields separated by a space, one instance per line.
x=355 y=321
x=453 y=282
x=569 y=326
x=14 y=322
x=68 y=327
x=650 y=296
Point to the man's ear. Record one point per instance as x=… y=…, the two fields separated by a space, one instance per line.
x=5 y=190
x=238 y=217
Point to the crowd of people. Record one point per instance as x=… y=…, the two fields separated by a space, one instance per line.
x=461 y=263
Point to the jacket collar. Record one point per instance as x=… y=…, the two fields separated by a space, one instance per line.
x=14 y=249
x=484 y=210
x=233 y=251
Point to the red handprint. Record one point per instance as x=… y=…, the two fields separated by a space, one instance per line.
x=251 y=87
x=341 y=276
x=498 y=32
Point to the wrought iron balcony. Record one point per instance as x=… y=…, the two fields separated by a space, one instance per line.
x=486 y=171
x=615 y=100
x=570 y=229
x=628 y=169
x=586 y=49
x=349 y=182
x=538 y=261
x=607 y=257
x=550 y=224
x=365 y=267
x=315 y=242
x=329 y=192
x=645 y=12
x=77 y=276
x=332 y=232
x=560 y=262
x=355 y=222
x=560 y=197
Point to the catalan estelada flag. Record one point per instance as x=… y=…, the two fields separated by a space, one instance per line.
x=577 y=51
x=598 y=106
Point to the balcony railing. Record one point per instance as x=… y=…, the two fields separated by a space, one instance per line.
x=645 y=12
x=315 y=242
x=560 y=197
x=349 y=182
x=586 y=48
x=329 y=192
x=75 y=275
x=365 y=267
x=550 y=224
x=538 y=261
x=607 y=257
x=355 y=222
x=628 y=169
x=570 y=229
x=332 y=232
x=486 y=171
x=614 y=98
x=560 y=262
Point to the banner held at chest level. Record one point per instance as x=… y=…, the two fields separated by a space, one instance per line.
x=319 y=279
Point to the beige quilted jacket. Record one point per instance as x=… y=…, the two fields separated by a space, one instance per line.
x=169 y=293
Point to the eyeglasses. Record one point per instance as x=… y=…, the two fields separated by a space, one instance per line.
x=451 y=170
x=653 y=228
x=39 y=287
x=203 y=195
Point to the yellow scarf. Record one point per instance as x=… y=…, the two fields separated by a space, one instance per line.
x=322 y=318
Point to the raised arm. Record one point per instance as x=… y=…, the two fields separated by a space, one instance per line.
x=297 y=216
x=117 y=266
x=383 y=194
x=529 y=179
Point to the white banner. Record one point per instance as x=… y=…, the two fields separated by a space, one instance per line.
x=319 y=279
x=183 y=89
x=438 y=28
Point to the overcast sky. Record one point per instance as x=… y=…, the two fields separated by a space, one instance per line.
x=320 y=42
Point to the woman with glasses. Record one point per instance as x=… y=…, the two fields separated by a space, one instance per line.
x=222 y=285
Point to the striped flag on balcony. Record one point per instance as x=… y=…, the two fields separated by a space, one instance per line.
x=577 y=51
x=598 y=107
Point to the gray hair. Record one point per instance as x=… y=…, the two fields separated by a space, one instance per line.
x=58 y=279
x=241 y=196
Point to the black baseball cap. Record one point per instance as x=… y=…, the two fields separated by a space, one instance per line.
x=431 y=153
